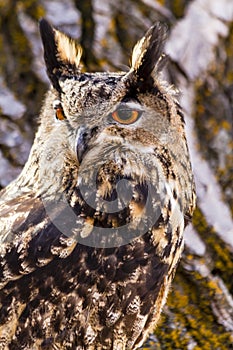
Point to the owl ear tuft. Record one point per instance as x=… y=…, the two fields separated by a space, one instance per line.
x=148 y=52
x=62 y=55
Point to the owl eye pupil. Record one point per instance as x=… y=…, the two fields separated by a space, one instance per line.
x=126 y=115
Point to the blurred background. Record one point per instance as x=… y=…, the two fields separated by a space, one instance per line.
x=199 y=312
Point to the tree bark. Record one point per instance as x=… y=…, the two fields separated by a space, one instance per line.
x=199 y=311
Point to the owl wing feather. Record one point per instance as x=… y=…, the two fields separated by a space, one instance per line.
x=28 y=242
x=83 y=275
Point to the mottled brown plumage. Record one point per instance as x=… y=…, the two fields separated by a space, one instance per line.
x=91 y=232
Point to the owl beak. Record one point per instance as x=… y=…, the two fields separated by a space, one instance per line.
x=84 y=135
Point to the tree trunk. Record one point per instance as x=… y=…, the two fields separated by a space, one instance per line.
x=199 y=311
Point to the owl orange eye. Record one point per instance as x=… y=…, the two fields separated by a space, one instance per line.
x=125 y=116
x=59 y=113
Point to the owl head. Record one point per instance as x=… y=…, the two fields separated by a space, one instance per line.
x=104 y=139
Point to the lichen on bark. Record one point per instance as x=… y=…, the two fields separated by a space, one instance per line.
x=199 y=311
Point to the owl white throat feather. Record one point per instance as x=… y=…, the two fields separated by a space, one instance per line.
x=91 y=231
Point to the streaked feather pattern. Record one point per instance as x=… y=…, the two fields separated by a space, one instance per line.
x=91 y=231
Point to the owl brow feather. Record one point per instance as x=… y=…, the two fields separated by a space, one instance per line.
x=148 y=51
x=62 y=54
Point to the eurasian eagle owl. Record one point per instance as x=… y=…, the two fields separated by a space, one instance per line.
x=92 y=230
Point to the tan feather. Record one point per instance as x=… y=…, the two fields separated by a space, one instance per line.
x=69 y=51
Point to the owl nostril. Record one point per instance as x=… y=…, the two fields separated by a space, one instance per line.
x=94 y=131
